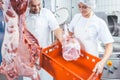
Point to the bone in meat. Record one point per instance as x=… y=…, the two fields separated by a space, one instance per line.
x=20 y=49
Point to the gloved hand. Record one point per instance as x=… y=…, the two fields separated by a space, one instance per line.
x=98 y=69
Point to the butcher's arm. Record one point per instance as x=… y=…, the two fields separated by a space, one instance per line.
x=59 y=34
x=108 y=51
x=100 y=65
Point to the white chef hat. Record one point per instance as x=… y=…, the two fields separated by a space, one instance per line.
x=89 y=3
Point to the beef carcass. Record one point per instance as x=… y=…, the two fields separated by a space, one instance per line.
x=20 y=49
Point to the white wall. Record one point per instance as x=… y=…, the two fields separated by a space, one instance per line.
x=108 y=5
x=47 y=4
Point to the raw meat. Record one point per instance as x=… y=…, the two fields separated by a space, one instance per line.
x=70 y=47
x=20 y=49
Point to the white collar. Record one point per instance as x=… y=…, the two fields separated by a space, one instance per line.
x=34 y=14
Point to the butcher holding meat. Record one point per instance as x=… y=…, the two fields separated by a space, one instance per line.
x=20 y=50
x=41 y=22
x=89 y=28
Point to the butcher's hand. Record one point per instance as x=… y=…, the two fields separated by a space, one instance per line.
x=98 y=69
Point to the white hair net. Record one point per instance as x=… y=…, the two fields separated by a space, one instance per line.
x=89 y=3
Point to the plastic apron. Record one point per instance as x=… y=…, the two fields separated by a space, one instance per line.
x=84 y=35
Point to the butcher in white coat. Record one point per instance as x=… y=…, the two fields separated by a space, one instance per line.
x=89 y=29
x=40 y=22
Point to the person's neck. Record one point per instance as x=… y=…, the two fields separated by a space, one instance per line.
x=89 y=15
x=35 y=13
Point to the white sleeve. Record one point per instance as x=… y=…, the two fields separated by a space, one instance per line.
x=53 y=24
x=73 y=22
x=104 y=34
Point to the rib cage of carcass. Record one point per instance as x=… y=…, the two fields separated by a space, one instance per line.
x=20 y=49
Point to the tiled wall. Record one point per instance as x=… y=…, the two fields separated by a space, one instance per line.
x=109 y=6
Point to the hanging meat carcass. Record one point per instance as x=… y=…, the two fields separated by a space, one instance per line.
x=20 y=49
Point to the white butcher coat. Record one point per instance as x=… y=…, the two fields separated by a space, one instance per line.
x=41 y=25
x=90 y=31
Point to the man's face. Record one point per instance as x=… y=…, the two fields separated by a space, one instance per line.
x=35 y=6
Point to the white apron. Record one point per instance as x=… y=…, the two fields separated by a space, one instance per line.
x=83 y=34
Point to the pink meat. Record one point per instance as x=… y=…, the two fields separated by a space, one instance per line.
x=20 y=49
x=71 y=49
